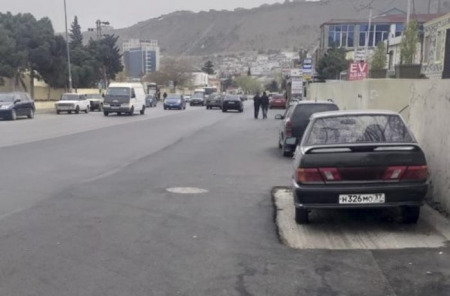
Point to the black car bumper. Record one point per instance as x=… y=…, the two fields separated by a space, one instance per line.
x=213 y=105
x=116 y=109
x=197 y=103
x=173 y=106
x=5 y=113
x=232 y=106
x=327 y=196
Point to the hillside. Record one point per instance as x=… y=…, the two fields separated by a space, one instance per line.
x=278 y=26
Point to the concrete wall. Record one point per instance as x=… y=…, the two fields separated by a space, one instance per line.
x=428 y=115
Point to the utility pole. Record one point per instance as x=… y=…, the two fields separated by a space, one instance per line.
x=368 y=34
x=429 y=6
x=98 y=25
x=68 y=49
x=439 y=6
x=408 y=16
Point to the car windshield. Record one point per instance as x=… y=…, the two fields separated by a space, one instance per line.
x=6 y=97
x=198 y=96
x=118 y=91
x=353 y=129
x=173 y=98
x=94 y=96
x=70 y=97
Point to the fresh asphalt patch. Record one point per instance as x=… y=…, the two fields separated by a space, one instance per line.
x=357 y=229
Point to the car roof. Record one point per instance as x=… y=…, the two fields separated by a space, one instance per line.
x=129 y=85
x=315 y=102
x=73 y=94
x=352 y=112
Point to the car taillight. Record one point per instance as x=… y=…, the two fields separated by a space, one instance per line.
x=394 y=173
x=416 y=173
x=288 y=128
x=330 y=174
x=309 y=176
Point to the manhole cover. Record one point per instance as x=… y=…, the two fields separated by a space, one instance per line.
x=187 y=190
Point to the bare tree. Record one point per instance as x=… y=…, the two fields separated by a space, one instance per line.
x=177 y=71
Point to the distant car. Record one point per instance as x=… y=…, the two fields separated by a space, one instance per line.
x=151 y=101
x=72 y=103
x=213 y=101
x=277 y=101
x=174 y=101
x=197 y=99
x=187 y=98
x=295 y=121
x=357 y=160
x=95 y=102
x=232 y=102
x=15 y=104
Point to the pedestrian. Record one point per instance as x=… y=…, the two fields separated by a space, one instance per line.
x=257 y=104
x=165 y=95
x=264 y=104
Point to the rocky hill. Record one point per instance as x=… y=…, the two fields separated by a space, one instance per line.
x=277 y=26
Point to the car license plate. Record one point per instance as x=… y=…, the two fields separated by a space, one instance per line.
x=378 y=198
x=230 y=102
x=115 y=107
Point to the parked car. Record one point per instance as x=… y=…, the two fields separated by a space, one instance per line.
x=174 y=101
x=277 y=101
x=213 y=101
x=126 y=98
x=151 y=101
x=198 y=99
x=72 y=103
x=15 y=104
x=232 y=102
x=95 y=101
x=294 y=123
x=359 y=159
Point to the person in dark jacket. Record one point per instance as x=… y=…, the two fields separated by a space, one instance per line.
x=264 y=104
x=257 y=104
x=165 y=95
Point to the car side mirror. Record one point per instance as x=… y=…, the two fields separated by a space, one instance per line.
x=133 y=96
x=17 y=101
x=279 y=117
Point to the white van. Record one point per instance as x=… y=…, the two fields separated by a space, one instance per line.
x=124 y=98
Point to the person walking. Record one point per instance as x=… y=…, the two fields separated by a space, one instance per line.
x=264 y=104
x=165 y=95
x=257 y=104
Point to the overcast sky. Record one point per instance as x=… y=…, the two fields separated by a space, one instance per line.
x=120 y=13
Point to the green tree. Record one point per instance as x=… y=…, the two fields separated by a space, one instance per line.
x=208 y=68
x=248 y=84
x=332 y=63
x=408 y=46
x=76 y=37
x=379 y=60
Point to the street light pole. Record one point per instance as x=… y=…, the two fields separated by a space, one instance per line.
x=408 y=15
x=368 y=34
x=68 y=49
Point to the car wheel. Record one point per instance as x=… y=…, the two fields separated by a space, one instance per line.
x=284 y=152
x=143 y=110
x=301 y=216
x=242 y=110
x=131 y=113
x=13 y=115
x=77 y=110
x=410 y=215
x=119 y=113
x=279 y=143
x=92 y=109
x=70 y=112
x=106 y=113
x=58 y=112
x=87 y=110
x=224 y=110
x=165 y=108
x=31 y=114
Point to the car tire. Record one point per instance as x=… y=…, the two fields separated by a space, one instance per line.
x=31 y=114
x=87 y=110
x=13 y=115
x=284 y=152
x=143 y=110
x=92 y=109
x=70 y=112
x=279 y=143
x=77 y=110
x=106 y=113
x=241 y=111
x=224 y=110
x=58 y=112
x=165 y=108
x=301 y=216
x=410 y=215
x=131 y=113
x=119 y=113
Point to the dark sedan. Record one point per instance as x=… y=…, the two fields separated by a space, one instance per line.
x=174 y=102
x=359 y=160
x=197 y=99
x=13 y=105
x=232 y=102
x=151 y=101
x=213 y=101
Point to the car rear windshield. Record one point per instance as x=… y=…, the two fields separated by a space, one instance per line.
x=70 y=98
x=358 y=129
x=6 y=97
x=232 y=98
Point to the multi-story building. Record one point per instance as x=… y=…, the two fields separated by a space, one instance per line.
x=140 y=57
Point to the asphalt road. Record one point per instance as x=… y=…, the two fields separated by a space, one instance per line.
x=84 y=210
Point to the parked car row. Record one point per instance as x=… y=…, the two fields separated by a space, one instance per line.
x=352 y=160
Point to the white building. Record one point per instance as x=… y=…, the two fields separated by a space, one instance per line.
x=200 y=79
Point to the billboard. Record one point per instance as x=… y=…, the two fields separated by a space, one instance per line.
x=358 y=71
x=296 y=86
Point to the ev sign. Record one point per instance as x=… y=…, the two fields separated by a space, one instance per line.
x=358 y=71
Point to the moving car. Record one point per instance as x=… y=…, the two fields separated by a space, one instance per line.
x=126 y=98
x=359 y=159
x=213 y=101
x=295 y=121
x=187 y=98
x=198 y=99
x=95 y=101
x=13 y=105
x=72 y=103
x=277 y=101
x=151 y=101
x=174 y=101
x=232 y=102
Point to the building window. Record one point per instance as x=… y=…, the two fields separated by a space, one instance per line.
x=378 y=33
x=341 y=35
